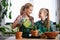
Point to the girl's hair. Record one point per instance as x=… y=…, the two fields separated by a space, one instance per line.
x=47 y=21
x=26 y=6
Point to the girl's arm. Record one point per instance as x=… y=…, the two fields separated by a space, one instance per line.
x=41 y=34
x=16 y=22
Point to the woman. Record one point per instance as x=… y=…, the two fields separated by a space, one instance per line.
x=44 y=25
x=25 y=19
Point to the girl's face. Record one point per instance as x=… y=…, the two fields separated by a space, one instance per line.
x=43 y=13
x=29 y=10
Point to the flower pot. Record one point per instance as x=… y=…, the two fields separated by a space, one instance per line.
x=51 y=35
x=34 y=33
x=18 y=35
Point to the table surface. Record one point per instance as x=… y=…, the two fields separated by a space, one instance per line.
x=57 y=38
x=36 y=39
x=13 y=38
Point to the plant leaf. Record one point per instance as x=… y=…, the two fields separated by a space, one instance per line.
x=4 y=3
x=0 y=8
x=2 y=16
x=10 y=15
x=10 y=4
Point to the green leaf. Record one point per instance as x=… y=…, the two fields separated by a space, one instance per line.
x=2 y=16
x=4 y=13
x=2 y=29
x=34 y=27
x=10 y=15
x=0 y=8
x=10 y=4
x=4 y=3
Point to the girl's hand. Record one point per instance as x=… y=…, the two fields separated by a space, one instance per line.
x=43 y=36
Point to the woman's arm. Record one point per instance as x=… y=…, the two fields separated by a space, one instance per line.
x=16 y=22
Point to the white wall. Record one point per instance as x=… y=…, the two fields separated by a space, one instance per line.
x=16 y=5
x=58 y=12
x=50 y=4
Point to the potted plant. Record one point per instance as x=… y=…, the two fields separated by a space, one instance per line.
x=4 y=29
x=4 y=7
x=58 y=27
x=34 y=31
x=19 y=33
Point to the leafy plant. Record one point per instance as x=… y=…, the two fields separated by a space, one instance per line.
x=4 y=7
x=58 y=26
x=34 y=27
x=6 y=30
x=3 y=29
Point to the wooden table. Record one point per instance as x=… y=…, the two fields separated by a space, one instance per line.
x=13 y=38
x=36 y=39
x=57 y=38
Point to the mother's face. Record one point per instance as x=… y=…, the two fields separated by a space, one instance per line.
x=29 y=10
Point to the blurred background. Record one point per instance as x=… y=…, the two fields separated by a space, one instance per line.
x=52 y=5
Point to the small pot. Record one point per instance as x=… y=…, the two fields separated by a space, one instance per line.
x=51 y=35
x=34 y=33
x=18 y=35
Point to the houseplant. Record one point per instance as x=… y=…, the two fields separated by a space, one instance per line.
x=58 y=26
x=7 y=30
x=34 y=31
x=4 y=28
x=19 y=33
x=4 y=8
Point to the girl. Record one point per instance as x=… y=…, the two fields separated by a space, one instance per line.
x=25 y=19
x=44 y=25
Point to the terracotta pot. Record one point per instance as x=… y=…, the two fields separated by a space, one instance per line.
x=18 y=35
x=51 y=35
x=34 y=33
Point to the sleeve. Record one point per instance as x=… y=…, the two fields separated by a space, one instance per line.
x=36 y=25
x=16 y=22
x=39 y=28
x=52 y=27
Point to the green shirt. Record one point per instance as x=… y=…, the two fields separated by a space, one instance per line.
x=25 y=27
x=41 y=28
